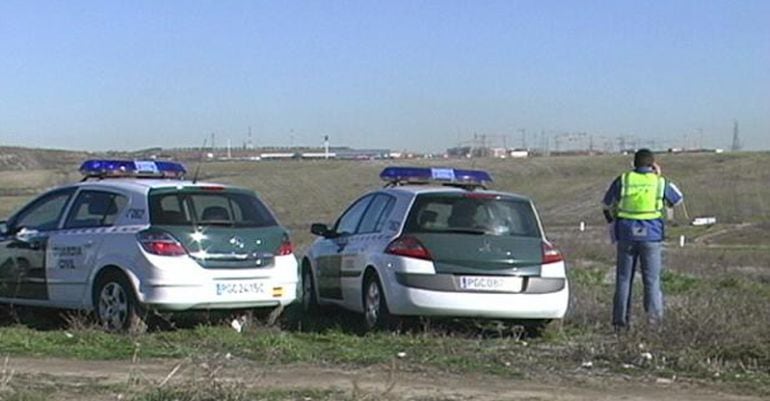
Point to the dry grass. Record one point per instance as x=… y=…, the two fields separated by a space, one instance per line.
x=718 y=291
x=732 y=187
x=567 y=189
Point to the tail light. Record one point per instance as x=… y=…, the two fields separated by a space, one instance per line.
x=160 y=243
x=408 y=246
x=551 y=254
x=286 y=247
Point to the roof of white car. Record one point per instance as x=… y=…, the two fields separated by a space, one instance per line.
x=427 y=189
x=143 y=184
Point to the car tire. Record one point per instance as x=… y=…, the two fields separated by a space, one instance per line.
x=115 y=305
x=309 y=299
x=376 y=313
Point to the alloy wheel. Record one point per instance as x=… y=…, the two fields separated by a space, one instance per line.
x=113 y=306
x=372 y=305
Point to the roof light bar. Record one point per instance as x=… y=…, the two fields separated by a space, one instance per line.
x=128 y=168
x=443 y=175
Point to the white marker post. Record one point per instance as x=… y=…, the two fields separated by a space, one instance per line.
x=582 y=226
x=681 y=241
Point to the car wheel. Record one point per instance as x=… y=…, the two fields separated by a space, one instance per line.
x=376 y=314
x=309 y=299
x=115 y=304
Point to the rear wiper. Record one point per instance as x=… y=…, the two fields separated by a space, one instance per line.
x=474 y=231
x=225 y=223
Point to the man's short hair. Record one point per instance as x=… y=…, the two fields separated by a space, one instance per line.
x=644 y=158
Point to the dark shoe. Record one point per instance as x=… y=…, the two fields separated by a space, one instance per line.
x=620 y=329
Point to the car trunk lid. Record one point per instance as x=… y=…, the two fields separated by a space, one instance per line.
x=457 y=253
x=469 y=232
x=226 y=247
x=220 y=227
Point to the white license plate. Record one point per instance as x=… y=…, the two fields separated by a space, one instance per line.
x=482 y=283
x=240 y=287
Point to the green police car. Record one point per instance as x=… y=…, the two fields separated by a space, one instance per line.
x=135 y=236
x=434 y=242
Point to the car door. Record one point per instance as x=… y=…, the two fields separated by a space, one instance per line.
x=330 y=250
x=23 y=246
x=73 y=250
x=361 y=245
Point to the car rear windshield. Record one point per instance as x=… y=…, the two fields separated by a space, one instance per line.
x=472 y=213
x=222 y=208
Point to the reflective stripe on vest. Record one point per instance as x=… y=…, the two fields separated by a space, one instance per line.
x=641 y=196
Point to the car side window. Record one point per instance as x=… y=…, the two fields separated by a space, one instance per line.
x=44 y=213
x=349 y=220
x=385 y=214
x=95 y=209
x=373 y=218
x=169 y=210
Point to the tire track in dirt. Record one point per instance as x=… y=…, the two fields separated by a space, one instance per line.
x=704 y=238
x=371 y=383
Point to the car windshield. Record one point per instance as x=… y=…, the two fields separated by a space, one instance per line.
x=472 y=213
x=232 y=209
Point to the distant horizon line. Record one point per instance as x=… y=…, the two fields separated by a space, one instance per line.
x=305 y=147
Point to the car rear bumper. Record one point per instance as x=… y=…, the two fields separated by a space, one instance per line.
x=451 y=282
x=414 y=288
x=206 y=296
x=422 y=302
x=222 y=289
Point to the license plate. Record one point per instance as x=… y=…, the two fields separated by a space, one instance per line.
x=240 y=287
x=482 y=283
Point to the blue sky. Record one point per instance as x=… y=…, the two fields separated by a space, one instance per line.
x=418 y=75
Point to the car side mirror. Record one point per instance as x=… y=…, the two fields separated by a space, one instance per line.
x=321 y=229
x=25 y=238
x=25 y=234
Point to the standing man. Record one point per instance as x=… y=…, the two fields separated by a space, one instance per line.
x=636 y=202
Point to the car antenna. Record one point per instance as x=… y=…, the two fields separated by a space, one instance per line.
x=200 y=160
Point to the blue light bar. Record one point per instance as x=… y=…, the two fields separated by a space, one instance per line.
x=130 y=168
x=443 y=175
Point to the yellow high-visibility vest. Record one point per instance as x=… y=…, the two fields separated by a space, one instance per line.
x=641 y=196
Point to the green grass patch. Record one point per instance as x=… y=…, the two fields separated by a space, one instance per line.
x=260 y=344
x=675 y=283
x=589 y=277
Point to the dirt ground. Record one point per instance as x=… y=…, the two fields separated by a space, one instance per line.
x=115 y=380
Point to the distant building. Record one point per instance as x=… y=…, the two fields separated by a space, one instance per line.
x=361 y=154
x=500 y=153
x=277 y=155
x=469 y=151
x=318 y=155
x=460 y=151
x=519 y=153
